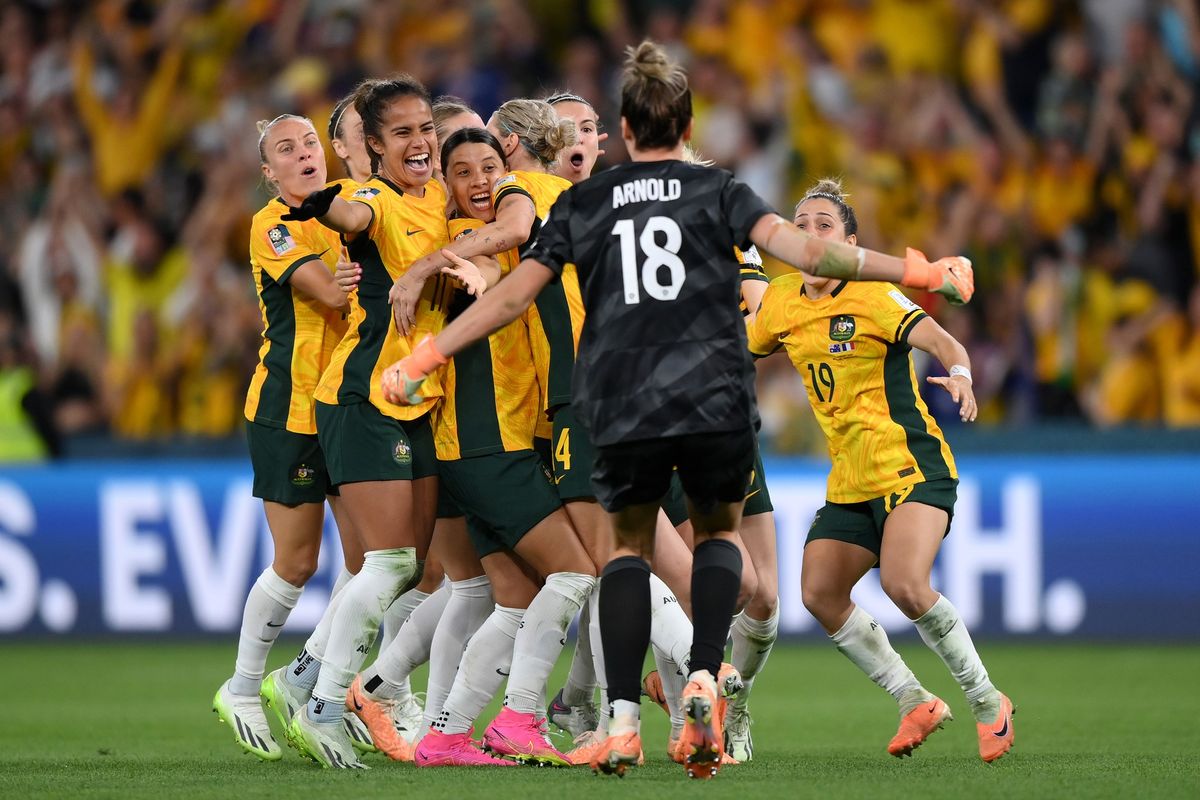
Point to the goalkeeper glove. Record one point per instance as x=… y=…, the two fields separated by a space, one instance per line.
x=951 y=276
x=401 y=382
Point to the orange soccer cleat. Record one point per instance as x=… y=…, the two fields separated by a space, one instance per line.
x=701 y=742
x=917 y=726
x=652 y=687
x=996 y=738
x=617 y=754
x=380 y=719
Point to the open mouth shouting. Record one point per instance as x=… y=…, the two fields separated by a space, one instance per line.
x=419 y=166
x=481 y=201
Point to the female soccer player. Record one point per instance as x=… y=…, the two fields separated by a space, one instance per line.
x=893 y=484
x=380 y=456
x=577 y=163
x=664 y=381
x=302 y=309
x=484 y=435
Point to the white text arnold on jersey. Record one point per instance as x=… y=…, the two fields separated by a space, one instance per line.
x=646 y=189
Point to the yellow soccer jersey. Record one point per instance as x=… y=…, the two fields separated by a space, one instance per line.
x=751 y=270
x=851 y=348
x=556 y=317
x=491 y=400
x=403 y=228
x=299 y=333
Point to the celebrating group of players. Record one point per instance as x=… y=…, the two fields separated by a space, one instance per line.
x=426 y=368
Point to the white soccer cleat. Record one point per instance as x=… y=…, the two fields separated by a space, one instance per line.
x=360 y=737
x=281 y=697
x=325 y=744
x=245 y=716
x=575 y=720
x=738 y=742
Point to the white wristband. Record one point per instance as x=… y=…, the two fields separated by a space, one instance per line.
x=960 y=370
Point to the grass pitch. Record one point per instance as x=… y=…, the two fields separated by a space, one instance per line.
x=133 y=720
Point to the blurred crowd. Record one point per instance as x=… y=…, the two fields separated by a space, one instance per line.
x=1055 y=143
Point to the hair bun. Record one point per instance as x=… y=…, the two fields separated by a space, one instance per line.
x=650 y=60
x=829 y=186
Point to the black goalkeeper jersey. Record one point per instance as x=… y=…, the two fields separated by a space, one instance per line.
x=663 y=348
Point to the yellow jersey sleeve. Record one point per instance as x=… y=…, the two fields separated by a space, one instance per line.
x=371 y=197
x=894 y=313
x=764 y=334
x=279 y=248
x=511 y=184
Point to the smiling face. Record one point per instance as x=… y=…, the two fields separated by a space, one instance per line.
x=472 y=169
x=407 y=142
x=821 y=218
x=576 y=163
x=295 y=161
x=351 y=147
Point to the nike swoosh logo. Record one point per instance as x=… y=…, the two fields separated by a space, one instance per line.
x=767 y=650
x=1000 y=734
x=411 y=232
x=269 y=625
x=357 y=705
x=500 y=672
x=747 y=497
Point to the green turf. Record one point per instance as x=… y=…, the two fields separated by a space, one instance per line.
x=133 y=720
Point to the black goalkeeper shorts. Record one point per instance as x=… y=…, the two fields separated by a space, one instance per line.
x=713 y=468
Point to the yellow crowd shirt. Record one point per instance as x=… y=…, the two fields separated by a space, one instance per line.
x=491 y=400
x=300 y=334
x=403 y=228
x=851 y=348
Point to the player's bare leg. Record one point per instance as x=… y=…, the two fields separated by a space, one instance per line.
x=912 y=536
x=830 y=570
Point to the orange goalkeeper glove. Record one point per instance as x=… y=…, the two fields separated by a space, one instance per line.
x=951 y=276
x=401 y=382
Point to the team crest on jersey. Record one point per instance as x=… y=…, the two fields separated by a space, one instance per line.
x=365 y=191
x=402 y=453
x=841 y=328
x=280 y=239
x=303 y=475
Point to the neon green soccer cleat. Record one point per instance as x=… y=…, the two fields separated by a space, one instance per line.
x=281 y=697
x=245 y=717
x=326 y=745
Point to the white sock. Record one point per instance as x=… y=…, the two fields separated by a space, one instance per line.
x=606 y=713
x=541 y=638
x=753 y=640
x=268 y=605
x=363 y=601
x=485 y=665
x=469 y=605
x=943 y=631
x=670 y=629
x=387 y=678
x=626 y=715
x=671 y=677
x=306 y=666
x=580 y=687
x=598 y=663
x=863 y=641
x=397 y=614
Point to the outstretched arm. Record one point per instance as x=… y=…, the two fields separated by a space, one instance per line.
x=500 y=306
x=952 y=277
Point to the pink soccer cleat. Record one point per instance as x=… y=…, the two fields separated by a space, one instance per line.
x=437 y=749
x=523 y=737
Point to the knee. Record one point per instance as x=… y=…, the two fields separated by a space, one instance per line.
x=749 y=587
x=910 y=594
x=823 y=602
x=295 y=568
